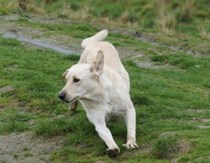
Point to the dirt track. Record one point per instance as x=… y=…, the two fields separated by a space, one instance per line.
x=25 y=148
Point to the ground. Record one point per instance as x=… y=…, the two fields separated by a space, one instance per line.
x=25 y=147
x=169 y=87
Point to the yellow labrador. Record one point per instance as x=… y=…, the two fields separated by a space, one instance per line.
x=101 y=83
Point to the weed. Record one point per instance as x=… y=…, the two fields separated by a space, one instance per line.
x=185 y=11
x=203 y=32
x=166 y=22
x=165 y=147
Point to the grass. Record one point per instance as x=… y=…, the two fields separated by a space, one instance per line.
x=14 y=121
x=165 y=147
x=172 y=102
x=174 y=99
x=195 y=42
x=127 y=13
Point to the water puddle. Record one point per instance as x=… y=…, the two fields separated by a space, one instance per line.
x=40 y=43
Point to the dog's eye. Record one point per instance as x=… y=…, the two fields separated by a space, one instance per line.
x=75 y=80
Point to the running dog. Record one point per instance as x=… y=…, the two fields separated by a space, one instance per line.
x=100 y=82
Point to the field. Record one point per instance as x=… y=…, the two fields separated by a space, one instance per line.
x=165 y=50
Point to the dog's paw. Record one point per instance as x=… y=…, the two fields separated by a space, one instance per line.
x=113 y=152
x=131 y=144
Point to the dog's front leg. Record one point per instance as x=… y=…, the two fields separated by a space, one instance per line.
x=130 y=119
x=105 y=134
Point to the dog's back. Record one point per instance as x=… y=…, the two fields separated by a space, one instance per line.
x=94 y=44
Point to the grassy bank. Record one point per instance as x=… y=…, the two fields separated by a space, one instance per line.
x=170 y=94
x=172 y=106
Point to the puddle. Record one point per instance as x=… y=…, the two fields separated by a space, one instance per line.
x=40 y=43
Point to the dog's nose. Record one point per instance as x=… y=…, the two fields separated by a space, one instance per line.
x=62 y=95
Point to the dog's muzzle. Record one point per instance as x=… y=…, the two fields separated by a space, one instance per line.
x=62 y=96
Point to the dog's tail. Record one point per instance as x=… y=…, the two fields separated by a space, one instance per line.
x=97 y=37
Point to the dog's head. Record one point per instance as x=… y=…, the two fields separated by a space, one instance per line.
x=81 y=79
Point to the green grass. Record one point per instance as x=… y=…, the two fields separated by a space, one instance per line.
x=172 y=102
x=171 y=99
x=184 y=42
x=188 y=14
x=14 y=121
x=165 y=147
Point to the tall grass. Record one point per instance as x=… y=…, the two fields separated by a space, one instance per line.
x=204 y=31
x=166 y=21
x=165 y=16
x=69 y=11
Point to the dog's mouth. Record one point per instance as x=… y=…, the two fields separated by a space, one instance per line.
x=73 y=100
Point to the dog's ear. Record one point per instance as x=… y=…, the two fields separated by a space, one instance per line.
x=64 y=74
x=98 y=64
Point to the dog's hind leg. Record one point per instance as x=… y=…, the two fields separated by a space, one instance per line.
x=130 y=119
x=73 y=106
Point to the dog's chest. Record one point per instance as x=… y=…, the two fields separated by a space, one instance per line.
x=116 y=106
x=115 y=110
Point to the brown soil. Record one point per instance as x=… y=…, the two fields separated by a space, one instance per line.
x=25 y=148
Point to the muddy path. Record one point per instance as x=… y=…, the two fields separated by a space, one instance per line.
x=70 y=45
x=39 y=43
x=64 y=44
x=38 y=37
x=26 y=148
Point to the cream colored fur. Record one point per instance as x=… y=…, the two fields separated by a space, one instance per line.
x=101 y=83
